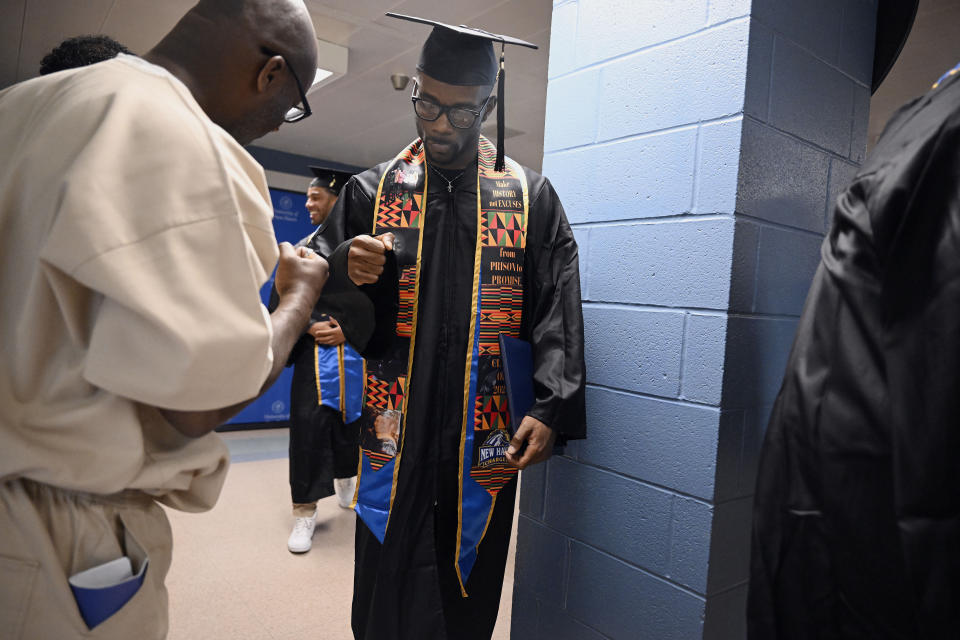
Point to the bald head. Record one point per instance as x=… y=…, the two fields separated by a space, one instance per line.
x=240 y=59
x=283 y=26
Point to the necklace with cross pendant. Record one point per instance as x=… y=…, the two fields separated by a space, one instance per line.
x=449 y=182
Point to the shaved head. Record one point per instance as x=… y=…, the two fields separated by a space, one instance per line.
x=239 y=58
x=283 y=26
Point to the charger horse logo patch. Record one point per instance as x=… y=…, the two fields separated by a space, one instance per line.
x=493 y=450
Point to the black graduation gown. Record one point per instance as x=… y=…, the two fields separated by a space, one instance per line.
x=407 y=588
x=321 y=446
x=856 y=530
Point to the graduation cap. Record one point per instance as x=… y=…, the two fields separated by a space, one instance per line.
x=332 y=179
x=461 y=55
x=894 y=21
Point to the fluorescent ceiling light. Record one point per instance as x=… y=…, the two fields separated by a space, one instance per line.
x=332 y=64
x=321 y=75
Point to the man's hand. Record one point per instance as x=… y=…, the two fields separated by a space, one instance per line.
x=300 y=271
x=327 y=332
x=301 y=274
x=366 y=258
x=539 y=439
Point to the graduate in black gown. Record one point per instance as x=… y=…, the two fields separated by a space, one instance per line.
x=439 y=457
x=856 y=530
x=324 y=396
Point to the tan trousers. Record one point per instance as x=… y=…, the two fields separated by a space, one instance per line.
x=48 y=534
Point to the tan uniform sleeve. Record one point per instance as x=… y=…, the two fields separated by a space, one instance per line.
x=181 y=325
x=170 y=225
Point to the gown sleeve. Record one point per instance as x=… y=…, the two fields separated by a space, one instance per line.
x=553 y=317
x=921 y=305
x=367 y=313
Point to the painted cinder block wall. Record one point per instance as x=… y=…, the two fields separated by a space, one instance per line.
x=697 y=147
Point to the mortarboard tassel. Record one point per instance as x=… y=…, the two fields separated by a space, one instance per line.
x=500 y=115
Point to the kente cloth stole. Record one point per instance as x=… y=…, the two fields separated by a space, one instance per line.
x=339 y=375
x=497 y=307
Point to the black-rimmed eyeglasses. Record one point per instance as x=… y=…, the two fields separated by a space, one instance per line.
x=299 y=111
x=459 y=117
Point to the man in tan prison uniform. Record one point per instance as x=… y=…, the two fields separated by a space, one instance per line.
x=135 y=233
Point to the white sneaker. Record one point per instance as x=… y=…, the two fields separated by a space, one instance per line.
x=301 y=538
x=345 y=488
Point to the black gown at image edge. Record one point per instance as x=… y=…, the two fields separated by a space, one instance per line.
x=856 y=530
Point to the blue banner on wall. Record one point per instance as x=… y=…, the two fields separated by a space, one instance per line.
x=291 y=223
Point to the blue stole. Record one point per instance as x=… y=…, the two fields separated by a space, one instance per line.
x=339 y=375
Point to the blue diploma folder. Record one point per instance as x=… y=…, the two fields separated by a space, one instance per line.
x=517 y=358
x=101 y=591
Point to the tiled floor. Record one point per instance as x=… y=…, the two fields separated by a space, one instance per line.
x=261 y=444
x=232 y=576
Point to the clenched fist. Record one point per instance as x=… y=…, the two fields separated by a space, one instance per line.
x=367 y=256
x=300 y=271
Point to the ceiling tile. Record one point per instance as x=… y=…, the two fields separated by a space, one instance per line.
x=47 y=23
x=517 y=18
x=333 y=29
x=451 y=12
x=363 y=10
x=371 y=47
x=144 y=22
x=10 y=29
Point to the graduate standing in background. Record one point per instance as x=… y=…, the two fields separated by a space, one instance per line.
x=480 y=245
x=325 y=397
x=137 y=234
x=856 y=526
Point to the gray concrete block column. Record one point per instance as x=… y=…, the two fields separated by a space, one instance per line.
x=697 y=147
